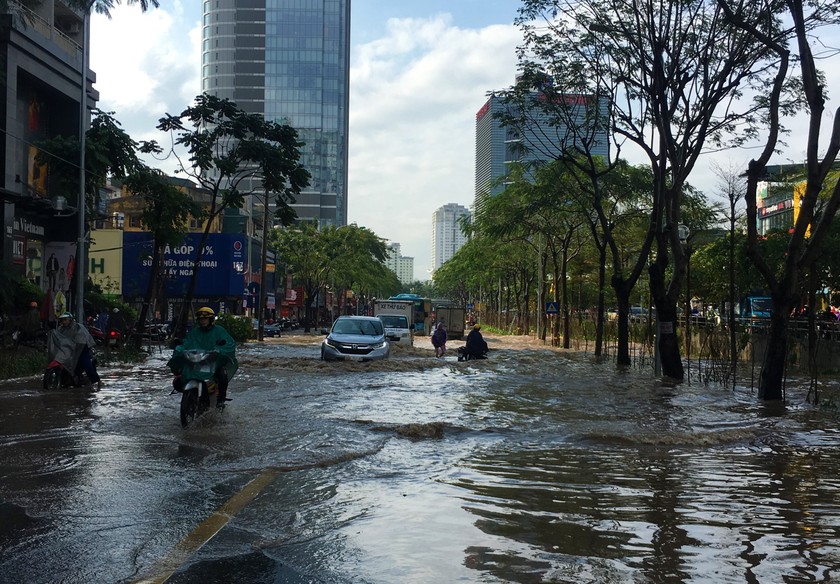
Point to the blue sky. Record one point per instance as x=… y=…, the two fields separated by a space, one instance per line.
x=420 y=70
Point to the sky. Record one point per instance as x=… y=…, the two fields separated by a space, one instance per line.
x=420 y=70
x=419 y=73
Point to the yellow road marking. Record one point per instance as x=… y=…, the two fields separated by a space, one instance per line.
x=204 y=532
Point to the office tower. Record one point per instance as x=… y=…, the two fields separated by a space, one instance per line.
x=447 y=237
x=538 y=141
x=288 y=60
x=401 y=265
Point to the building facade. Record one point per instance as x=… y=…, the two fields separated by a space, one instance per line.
x=42 y=58
x=401 y=265
x=537 y=141
x=288 y=60
x=447 y=237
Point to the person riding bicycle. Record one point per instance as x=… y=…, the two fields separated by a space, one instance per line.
x=208 y=336
x=71 y=344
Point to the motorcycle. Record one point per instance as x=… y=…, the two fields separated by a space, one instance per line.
x=463 y=355
x=114 y=338
x=57 y=376
x=64 y=368
x=195 y=382
x=97 y=334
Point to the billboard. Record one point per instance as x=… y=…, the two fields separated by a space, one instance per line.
x=220 y=273
x=106 y=265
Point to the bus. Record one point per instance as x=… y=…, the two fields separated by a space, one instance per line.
x=422 y=312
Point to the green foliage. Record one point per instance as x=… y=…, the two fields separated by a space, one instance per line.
x=239 y=328
x=232 y=153
x=109 y=151
x=16 y=292
x=21 y=363
x=231 y=150
x=348 y=257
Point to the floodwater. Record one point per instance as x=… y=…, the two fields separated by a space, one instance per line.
x=532 y=466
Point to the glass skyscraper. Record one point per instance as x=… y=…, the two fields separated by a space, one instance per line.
x=290 y=61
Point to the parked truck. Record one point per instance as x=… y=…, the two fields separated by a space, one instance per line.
x=453 y=318
x=388 y=311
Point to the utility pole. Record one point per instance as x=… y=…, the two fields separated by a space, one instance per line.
x=263 y=293
x=81 y=257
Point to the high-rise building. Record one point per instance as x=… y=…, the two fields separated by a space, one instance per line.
x=43 y=47
x=288 y=60
x=401 y=265
x=537 y=140
x=447 y=237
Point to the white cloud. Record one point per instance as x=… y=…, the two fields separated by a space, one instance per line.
x=413 y=99
x=147 y=64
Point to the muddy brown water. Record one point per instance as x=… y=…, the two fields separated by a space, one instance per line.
x=535 y=465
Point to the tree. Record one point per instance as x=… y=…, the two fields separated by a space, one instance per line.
x=360 y=260
x=231 y=153
x=109 y=152
x=673 y=73
x=166 y=210
x=820 y=196
x=317 y=258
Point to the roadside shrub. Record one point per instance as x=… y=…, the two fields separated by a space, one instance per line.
x=21 y=363
x=239 y=328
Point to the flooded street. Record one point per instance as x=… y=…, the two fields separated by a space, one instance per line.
x=532 y=466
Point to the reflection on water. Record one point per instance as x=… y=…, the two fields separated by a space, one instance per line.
x=532 y=466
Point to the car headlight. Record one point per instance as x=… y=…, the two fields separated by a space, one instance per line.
x=378 y=345
x=330 y=343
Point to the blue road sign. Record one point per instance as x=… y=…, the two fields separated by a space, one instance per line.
x=552 y=307
x=470 y=306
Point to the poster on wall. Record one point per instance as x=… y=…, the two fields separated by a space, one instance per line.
x=58 y=274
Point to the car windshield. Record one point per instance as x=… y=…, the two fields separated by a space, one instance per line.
x=762 y=304
x=394 y=321
x=357 y=327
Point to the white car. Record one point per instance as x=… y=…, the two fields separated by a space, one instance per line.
x=358 y=338
x=397 y=329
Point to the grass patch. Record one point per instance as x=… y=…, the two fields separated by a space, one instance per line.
x=26 y=361
x=22 y=362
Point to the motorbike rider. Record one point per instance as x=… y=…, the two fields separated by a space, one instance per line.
x=476 y=346
x=208 y=336
x=117 y=323
x=71 y=344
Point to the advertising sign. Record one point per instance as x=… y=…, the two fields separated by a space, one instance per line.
x=106 y=252
x=218 y=271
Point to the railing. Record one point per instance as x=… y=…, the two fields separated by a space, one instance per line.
x=45 y=28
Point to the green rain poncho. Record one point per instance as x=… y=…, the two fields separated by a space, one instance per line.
x=208 y=340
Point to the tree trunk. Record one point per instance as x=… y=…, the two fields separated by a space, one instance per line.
x=623 y=301
x=666 y=325
x=565 y=295
x=307 y=314
x=669 y=346
x=157 y=253
x=183 y=315
x=770 y=385
x=599 y=317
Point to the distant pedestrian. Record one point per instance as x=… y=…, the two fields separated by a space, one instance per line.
x=439 y=340
x=52 y=271
x=31 y=325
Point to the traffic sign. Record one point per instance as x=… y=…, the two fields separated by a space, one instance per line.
x=552 y=307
